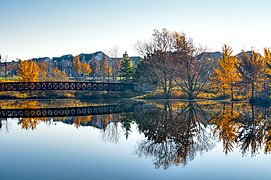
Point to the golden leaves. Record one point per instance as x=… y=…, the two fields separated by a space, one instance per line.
x=86 y=70
x=226 y=75
x=76 y=64
x=28 y=70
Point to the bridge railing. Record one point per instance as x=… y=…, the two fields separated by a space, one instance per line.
x=71 y=111
x=68 y=85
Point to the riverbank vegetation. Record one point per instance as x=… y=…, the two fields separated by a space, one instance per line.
x=177 y=67
x=172 y=66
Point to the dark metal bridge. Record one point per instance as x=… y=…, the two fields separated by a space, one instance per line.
x=92 y=86
x=70 y=111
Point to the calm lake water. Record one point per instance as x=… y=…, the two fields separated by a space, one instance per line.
x=155 y=140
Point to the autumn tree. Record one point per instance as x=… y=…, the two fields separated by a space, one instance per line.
x=95 y=67
x=191 y=73
x=126 y=68
x=59 y=75
x=157 y=66
x=43 y=71
x=251 y=69
x=267 y=69
x=76 y=65
x=226 y=75
x=105 y=69
x=86 y=70
x=267 y=59
x=28 y=70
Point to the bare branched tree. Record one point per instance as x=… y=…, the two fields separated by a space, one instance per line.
x=192 y=73
x=170 y=59
x=113 y=53
x=157 y=65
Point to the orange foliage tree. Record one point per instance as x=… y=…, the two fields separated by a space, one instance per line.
x=86 y=70
x=226 y=75
x=59 y=75
x=105 y=69
x=76 y=65
x=28 y=70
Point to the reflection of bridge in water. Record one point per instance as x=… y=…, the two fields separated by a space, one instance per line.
x=92 y=86
x=71 y=111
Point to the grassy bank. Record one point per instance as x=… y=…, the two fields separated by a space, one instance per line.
x=207 y=95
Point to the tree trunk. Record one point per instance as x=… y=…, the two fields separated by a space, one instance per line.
x=231 y=94
x=252 y=91
x=166 y=95
x=190 y=96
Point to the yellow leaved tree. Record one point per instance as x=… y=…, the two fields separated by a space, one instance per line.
x=267 y=61
x=76 y=65
x=226 y=75
x=28 y=71
x=59 y=75
x=85 y=68
x=105 y=69
x=267 y=58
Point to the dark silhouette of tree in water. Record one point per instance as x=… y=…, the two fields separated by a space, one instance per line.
x=252 y=130
x=126 y=123
x=174 y=137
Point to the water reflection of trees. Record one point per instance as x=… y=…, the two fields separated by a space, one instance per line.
x=226 y=126
x=112 y=133
x=175 y=132
x=4 y=124
x=244 y=126
x=174 y=137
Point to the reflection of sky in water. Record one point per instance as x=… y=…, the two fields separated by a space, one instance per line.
x=61 y=151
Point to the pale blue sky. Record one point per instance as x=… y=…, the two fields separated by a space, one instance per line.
x=37 y=28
